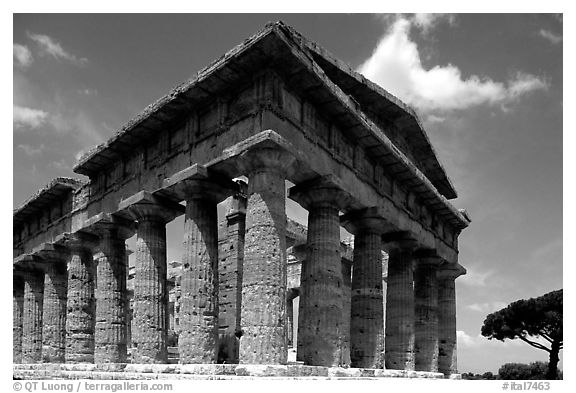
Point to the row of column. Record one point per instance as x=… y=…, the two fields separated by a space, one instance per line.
x=84 y=309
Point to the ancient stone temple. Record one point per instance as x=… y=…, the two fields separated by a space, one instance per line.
x=275 y=110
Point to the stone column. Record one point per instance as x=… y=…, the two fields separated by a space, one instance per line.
x=150 y=317
x=17 y=316
x=367 y=316
x=346 y=311
x=399 y=341
x=290 y=295
x=110 y=331
x=230 y=275
x=198 y=338
x=320 y=324
x=80 y=305
x=32 y=318
x=263 y=313
x=447 y=359
x=426 y=314
x=54 y=309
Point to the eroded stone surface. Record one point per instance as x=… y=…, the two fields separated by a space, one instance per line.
x=199 y=300
x=32 y=319
x=263 y=339
x=17 y=317
x=399 y=343
x=54 y=309
x=110 y=334
x=426 y=315
x=367 y=317
x=81 y=306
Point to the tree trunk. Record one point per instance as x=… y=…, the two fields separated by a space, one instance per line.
x=553 y=363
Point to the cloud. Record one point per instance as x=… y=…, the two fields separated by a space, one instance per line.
x=28 y=117
x=475 y=277
x=427 y=22
x=31 y=150
x=486 y=307
x=22 y=55
x=395 y=64
x=49 y=46
x=467 y=341
x=548 y=35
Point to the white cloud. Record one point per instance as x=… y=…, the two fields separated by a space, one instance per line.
x=475 y=277
x=31 y=150
x=426 y=22
x=548 y=35
x=22 y=55
x=49 y=46
x=524 y=83
x=486 y=307
x=468 y=341
x=28 y=117
x=396 y=65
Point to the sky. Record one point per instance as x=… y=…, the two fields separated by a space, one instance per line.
x=487 y=88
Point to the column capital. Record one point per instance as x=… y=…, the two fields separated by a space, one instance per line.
x=25 y=262
x=196 y=182
x=76 y=241
x=103 y=223
x=398 y=240
x=427 y=257
x=323 y=190
x=369 y=219
x=270 y=157
x=450 y=271
x=50 y=252
x=144 y=206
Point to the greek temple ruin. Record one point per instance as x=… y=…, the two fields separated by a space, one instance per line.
x=275 y=110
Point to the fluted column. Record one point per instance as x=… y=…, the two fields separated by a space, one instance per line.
x=399 y=342
x=447 y=357
x=426 y=314
x=320 y=324
x=54 y=311
x=198 y=337
x=17 y=316
x=263 y=311
x=80 y=300
x=110 y=331
x=230 y=275
x=346 y=311
x=367 y=302
x=32 y=318
x=150 y=317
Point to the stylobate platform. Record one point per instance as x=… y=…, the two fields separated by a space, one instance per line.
x=120 y=371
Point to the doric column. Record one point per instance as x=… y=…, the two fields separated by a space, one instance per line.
x=426 y=313
x=32 y=318
x=399 y=342
x=80 y=302
x=263 y=313
x=230 y=275
x=447 y=359
x=346 y=311
x=150 y=301
x=110 y=331
x=198 y=338
x=320 y=324
x=54 y=306
x=17 y=315
x=367 y=316
x=290 y=295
